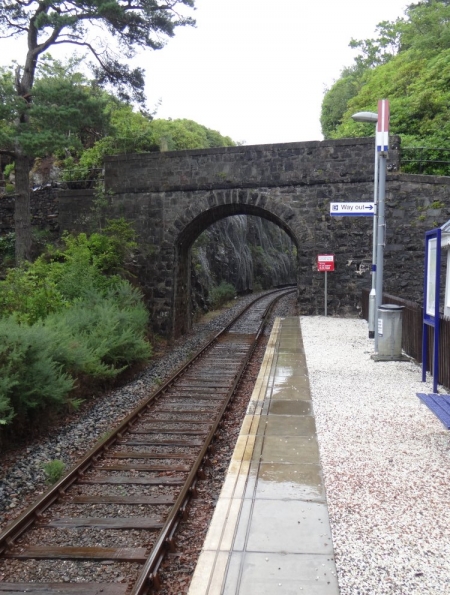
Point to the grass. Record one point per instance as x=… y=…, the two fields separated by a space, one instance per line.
x=53 y=470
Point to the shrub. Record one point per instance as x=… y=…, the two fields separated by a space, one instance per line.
x=59 y=278
x=29 y=294
x=102 y=335
x=96 y=338
x=30 y=376
x=221 y=294
x=7 y=250
x=68 y=315
x=7 y=245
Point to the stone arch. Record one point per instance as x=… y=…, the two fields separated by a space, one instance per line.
x=200 y=213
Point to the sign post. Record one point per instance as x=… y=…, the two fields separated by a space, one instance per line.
x=382 y=140
x=325 y=263
x=431 y=302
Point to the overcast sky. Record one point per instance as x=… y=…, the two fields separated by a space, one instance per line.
x=255 y=70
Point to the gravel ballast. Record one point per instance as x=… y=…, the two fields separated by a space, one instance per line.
x=178 y=569
x=385 y=457
x=386 y=464
x=22 y=477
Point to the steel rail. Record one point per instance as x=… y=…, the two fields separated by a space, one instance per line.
x=148 y=579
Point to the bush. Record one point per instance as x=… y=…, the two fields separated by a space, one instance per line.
x=68 y=316
x=7 y=250
x=59 y=278
x=221 y=294
x=97 y=338
x=30 y=377
x=102 y=335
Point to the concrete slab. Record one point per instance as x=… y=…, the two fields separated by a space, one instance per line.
x=284 y=481
x=292 y=526
x=270 y=531
x=287 y=574
x=296 y=407
x=286 y=377
x=288 y=425
x=291 y=392
x=290 y=449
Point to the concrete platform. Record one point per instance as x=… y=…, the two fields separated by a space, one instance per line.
x=270 y=532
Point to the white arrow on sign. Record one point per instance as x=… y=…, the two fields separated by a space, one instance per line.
x=352 y=209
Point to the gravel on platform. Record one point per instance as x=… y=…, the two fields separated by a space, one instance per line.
x=386 y=464
x=21 y=472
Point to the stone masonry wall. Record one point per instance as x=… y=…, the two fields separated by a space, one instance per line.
x=44 y=211
x=171 y=198
x=316 y=162
x=304 y=212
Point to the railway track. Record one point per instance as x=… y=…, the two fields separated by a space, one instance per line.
x=106 y=526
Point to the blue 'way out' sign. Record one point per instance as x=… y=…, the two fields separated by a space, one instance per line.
x=352 y=209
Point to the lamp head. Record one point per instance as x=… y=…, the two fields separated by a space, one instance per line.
x=371 y=117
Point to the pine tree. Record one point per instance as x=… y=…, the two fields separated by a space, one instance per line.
x=125 y=26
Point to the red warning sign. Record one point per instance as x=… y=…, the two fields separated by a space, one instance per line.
x=325 y=262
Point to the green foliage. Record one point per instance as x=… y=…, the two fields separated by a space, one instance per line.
x=8 y=169
x=60 y=278
x=7 y=245
x=94 y=24
x=419 y=98
x=175 y=135
x=221 y=294
x=409 y=64
x=30 y=377
x=427 y=29
x=103 y=334
x=66 y=316
x=59 y=114
x=381 y=49
x=130 y=132
x=96 y=338
x=335 y=101
x=28 y=294
x=66 y=113
x=54 y=470
x=133 y=132
x=100 y=206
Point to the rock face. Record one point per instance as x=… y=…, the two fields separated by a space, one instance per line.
x=249 y=252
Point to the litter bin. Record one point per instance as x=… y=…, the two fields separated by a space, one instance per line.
x=390 y=331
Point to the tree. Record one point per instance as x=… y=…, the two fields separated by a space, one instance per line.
x=408 y=63
x=428 y=28
x=46 y=23
x=175 y=135
x=335 y=101
x=132 y=131
x=66 y=114
x=381 y=49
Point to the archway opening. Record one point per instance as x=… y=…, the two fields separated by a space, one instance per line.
x=242 y=245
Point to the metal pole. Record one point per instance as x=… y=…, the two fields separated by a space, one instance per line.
x=326 y=293
x=372 y=295
x=381 y=238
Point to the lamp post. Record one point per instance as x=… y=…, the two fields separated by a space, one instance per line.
x=372 y=117
x=382 y=140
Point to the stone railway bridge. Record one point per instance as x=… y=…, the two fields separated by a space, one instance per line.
x=171 y=198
